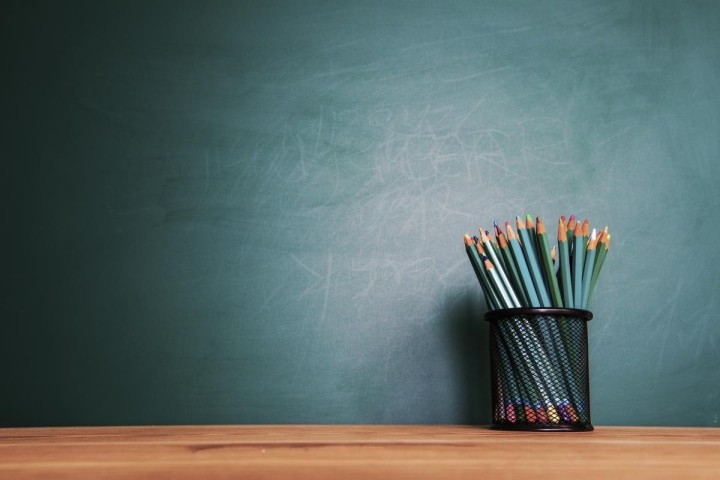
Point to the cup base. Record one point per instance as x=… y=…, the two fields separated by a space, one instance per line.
x=542 y=428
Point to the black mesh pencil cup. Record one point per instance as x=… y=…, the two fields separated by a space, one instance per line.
x=539 y=369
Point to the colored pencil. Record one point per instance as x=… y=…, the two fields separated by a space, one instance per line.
x=533 y=264
x=499 y=270
x=523 y=270
x=602 y=253
x=532 y=234
x=571 y=233
x=578 y=261
x=589 y=265
x=479 y=270
x=512 y=269
x=545 y=256
x=498 y=285
x=565 y=265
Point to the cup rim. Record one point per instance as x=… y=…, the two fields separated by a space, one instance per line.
x=509 y=313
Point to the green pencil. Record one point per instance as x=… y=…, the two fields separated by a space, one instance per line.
x=519 y=257
x=495 y=240
x=528 y=351
x=589 y=264
x=599 y=260
x=571 y=235
x=546 y=257
x=499 y=270
x=578 y=261
x=532 y=234
x=507 y=300
x=510 y=378
x=513 y=271
x=476 y=262
x=565 y=264
x=533 y=264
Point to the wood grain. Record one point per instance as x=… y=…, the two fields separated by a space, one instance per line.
x=357 y=451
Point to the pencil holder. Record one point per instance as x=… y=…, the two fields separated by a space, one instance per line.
x=539 y=369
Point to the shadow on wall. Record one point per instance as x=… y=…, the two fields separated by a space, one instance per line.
x=468 y=336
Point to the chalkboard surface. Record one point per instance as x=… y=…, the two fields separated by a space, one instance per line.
x=252 y=212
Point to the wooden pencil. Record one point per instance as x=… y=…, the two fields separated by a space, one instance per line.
x=512 y=270
x=533 y=264
x=519 y=257
x=578 y=262
x=545 y=256
x=476 y=262
x=499 y=269
x=498 y=285
x=589 y=264
x=532 y=234
x=603 y=249
x=571 y=232
x=495 y=242
x=565 y=276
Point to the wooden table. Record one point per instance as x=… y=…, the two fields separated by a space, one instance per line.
x=341 y=452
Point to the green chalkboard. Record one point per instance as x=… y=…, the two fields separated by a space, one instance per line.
x=252 y=212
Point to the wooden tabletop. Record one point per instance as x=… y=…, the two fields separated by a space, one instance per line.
x=341 y=452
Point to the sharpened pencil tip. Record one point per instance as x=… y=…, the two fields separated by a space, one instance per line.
x=578 y=230
x=483 y=235
x=540 y=226
x=571 y=224
x=593 y=241
x=562 y=231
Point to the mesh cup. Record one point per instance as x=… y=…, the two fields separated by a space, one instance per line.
x=539 y=369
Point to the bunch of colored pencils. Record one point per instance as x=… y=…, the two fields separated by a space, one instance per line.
x=521 y=270
x=537 y=362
